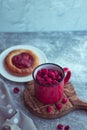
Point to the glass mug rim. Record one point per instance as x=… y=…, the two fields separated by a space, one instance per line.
x=48 y=64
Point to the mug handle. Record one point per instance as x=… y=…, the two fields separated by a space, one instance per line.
x=68 y=75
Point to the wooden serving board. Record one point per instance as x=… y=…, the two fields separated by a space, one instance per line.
x=39 y=109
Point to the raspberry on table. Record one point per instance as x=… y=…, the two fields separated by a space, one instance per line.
x=16 y=90
x=60 y=127
x=67 y=127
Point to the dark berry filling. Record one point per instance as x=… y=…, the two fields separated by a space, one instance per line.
x=23 y=60
x=49 y=76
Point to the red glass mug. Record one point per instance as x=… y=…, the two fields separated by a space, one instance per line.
x=49 y=94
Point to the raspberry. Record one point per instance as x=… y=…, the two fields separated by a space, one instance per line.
x=49 y=81
x=50 y=70
x=59 y=73
x=49 y=109
x=60 y=127
x=55 y=82
x=59 y=78
x=64 y=100
x=45 y=76
x=51 y=74
x=16 y=90
x=41 y=81
x=39 y=73
x=56 y=72
x=67 y=127
x=59 y=106
x=48 y=76
x=44 y=71
x=38 y=77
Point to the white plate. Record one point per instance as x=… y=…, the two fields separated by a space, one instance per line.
x=11 y=77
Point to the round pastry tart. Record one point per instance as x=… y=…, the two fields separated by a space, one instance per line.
x=21 y=62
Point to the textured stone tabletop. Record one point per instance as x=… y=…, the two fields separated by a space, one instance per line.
x=68 y=49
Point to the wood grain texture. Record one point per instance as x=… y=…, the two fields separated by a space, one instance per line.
x=39 y=109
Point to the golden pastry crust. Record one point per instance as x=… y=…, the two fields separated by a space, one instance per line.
x=20 y=71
